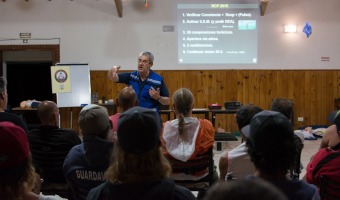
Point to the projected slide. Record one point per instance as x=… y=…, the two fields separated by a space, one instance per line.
x=217 y=33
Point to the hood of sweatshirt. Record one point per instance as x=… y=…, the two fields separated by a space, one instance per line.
x=181 y=146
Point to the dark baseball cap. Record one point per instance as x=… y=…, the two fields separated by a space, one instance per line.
x=139 y=130
x=269 y=124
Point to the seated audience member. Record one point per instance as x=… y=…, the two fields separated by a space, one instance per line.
x=194 y=135
x=246 y=189
x=331 y=137
x=285 y=106
x=236 y=163
x=126 y=99
x=326 y=162
x=50 y=144
x=86 y=163
x=272 y=148
x=5 y=116
x=138 y=169
x=18 y=179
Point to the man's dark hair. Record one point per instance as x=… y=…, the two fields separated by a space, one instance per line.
x=245 y=113
x=284 y=106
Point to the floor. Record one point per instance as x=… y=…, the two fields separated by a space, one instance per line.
x=310 y=148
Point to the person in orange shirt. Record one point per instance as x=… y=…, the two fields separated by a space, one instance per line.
x=186 y=137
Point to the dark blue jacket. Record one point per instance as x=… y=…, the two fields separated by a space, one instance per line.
x=85 y=165
x=159 y=190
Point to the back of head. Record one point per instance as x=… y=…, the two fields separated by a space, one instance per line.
x=137 y=155
x=14 y=152
x=246 y=189
x=47 y=111
x=127 y=98
x=183 y=100
x=244 y=115
x=138 y=130
x=284 y=106
x=94 y=120
x=271 y=143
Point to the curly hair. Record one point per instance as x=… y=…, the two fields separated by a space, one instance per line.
x=16 y=187
x=245 y=113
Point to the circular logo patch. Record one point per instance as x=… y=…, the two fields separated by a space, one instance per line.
x=60 y=76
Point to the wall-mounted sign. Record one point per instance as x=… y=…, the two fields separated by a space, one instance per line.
x=60 y=76
x=25 y=35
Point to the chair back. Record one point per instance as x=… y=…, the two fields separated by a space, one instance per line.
x=202 y=162
x=329 y=189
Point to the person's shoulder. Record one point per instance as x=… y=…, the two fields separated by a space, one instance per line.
x=331 y=130
x=76 y=151
x=75 y=157
x=206 y=123
x=68 y=132
x=182 y=193
x=153 y=73
x=308 y=188
x=15 y=119
x=95 y=192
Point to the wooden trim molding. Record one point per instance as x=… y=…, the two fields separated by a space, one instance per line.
x=55 y=49
x=263 y=6
x=119 y=8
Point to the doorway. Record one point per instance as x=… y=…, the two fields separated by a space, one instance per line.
x=28 y=81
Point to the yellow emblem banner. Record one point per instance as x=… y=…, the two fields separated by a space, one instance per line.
x=61 y=79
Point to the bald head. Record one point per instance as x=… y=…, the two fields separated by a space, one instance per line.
x=48 y=113
x=127 y=98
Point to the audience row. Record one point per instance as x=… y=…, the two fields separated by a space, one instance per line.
x=130 y=155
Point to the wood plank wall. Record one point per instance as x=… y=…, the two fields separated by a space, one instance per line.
x=313 y=91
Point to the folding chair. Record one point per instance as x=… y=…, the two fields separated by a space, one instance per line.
x=201 y=162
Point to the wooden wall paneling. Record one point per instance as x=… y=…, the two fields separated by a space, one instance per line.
x=296 y=92
x=253 y=89
x=316 y=114
x=313 y=91
x=266 y=86
x=246 y=87
x=326 y=91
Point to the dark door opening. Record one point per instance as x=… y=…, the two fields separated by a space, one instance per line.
x=28 y=81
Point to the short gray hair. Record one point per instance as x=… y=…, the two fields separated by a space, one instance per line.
x=149 y=55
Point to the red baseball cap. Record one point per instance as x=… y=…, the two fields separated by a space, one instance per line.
x=14 y=150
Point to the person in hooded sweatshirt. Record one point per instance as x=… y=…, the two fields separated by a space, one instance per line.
x=187 y=137
x=139 y=170
x=86 y=163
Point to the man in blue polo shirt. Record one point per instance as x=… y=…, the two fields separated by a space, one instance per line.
x=149 y=86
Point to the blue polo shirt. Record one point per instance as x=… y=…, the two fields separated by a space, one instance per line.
x=142 y=87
